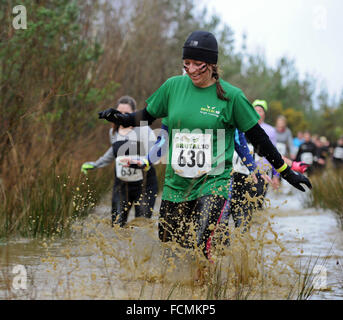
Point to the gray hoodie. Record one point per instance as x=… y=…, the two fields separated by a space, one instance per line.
x=143 y=134
x=285 y=139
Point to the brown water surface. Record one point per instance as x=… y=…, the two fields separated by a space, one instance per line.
x=281 y=255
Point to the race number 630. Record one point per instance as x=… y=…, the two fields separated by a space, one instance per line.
x=191 y=154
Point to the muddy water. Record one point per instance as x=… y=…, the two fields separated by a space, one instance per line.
x=310 y=235
x=286 y=243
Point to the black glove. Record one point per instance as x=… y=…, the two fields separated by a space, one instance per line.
x=295 y=179
x=113 y=115
x=137 y=166
x=138 y=163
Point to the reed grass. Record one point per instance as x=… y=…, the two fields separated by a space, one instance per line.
x=327 y=191
x=48 y=205
x=42 y=189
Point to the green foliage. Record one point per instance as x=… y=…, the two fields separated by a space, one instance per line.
x=275 y=109
x=96 y=95
x=47 y=63
x=329 y=118
x=295 y=120
x=282 y=89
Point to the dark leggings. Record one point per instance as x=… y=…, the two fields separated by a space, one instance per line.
x=241 y=206
x=124 y=196
x=188 y=223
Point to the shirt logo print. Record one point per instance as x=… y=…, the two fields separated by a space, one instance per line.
x=209 y=110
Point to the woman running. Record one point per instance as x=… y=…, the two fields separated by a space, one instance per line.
x=284 y=137
x=244 y=166
x=203 y=112
x=136 y=187
x=307 y=152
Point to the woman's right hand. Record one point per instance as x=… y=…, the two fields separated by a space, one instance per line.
x=111 y=115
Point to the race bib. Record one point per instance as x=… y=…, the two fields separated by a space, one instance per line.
x=191 y=154
x=307 y=157
x=338 y=153
x=125 y=173
x=281 y=147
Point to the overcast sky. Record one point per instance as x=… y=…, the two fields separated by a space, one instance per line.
x=309 y=31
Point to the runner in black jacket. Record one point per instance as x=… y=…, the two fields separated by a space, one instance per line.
x=307 y=152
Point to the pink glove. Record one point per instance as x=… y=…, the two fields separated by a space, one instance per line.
x=299 y=166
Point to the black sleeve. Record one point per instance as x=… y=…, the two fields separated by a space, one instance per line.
x=297 y=158
x=134 y=119
x=263 y=146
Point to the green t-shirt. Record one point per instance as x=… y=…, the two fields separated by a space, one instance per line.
x=185 y=106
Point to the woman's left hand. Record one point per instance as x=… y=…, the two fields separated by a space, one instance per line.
x=296 y=179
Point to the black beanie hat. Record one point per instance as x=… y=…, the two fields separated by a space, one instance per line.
x=202 y=46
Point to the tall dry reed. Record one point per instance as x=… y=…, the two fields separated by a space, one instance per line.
x=327 y=191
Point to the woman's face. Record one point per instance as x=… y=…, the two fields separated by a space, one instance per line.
x=260 y=111
x=124 y=108
x=307 y=136
x=280 y=125
x=199 y=72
